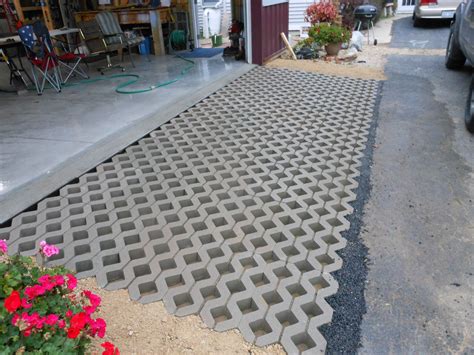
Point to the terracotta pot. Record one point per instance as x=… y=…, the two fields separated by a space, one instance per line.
x=333 y=48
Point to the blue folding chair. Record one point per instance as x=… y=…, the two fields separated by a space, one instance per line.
x=40 y=54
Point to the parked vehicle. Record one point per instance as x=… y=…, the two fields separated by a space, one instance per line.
x=433 y=9
x=461 y=47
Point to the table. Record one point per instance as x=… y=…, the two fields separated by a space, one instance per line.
x=17 y=72
x=155 y=17
x=52 y=33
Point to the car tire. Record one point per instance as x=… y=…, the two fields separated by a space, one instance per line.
x=417 y=22
x=454 y=58
x=469 y=113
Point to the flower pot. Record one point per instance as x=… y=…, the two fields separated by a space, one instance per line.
x=333 y=48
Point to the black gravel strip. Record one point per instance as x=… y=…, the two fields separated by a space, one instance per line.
x=343 y=333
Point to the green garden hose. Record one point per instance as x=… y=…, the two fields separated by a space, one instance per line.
x=120 y=89
x=178 y=39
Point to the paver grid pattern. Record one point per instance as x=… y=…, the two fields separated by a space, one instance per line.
x=233 y=210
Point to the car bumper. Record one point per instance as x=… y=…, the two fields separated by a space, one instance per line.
x=435 y=12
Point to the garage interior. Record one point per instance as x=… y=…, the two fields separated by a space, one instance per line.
x=48 y=140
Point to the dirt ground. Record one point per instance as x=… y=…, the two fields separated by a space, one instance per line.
x=352 y=70
x=368 y=65
x=149 y=329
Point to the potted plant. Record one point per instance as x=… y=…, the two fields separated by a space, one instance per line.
x=330 y=36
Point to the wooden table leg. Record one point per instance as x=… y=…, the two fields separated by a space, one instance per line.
x=157 y=32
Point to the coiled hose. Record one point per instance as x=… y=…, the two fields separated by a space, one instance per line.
x=121 y=88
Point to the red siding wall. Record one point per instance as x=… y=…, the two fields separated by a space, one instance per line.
x=267 y=24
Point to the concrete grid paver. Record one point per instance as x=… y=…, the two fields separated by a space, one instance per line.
x=233 y=210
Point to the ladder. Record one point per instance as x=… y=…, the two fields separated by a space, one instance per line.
x=10 y=16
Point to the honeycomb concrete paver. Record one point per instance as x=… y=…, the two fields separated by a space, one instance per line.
x=233 y=210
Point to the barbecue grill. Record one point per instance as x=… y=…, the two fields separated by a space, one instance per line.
x=365 y=14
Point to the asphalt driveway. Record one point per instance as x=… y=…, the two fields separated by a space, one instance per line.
x=432 y=35
x=418 y=223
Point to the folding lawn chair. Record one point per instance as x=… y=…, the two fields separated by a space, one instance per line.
x=42 y=58
x=113 y=34
x=70 y=57
x=93 y=39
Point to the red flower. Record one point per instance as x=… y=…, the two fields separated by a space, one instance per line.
x=12 y=302
x=73 y=333
x=79 y=320
x=110 y=349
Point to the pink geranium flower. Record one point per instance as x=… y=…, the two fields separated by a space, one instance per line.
x=51 y=319
x=3 y=246
x=71 y=282
x=48 y=249
x=25 y=304
x=97 y=327
x=93 y=298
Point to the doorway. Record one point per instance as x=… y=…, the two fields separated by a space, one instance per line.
x=406 y=6
x=214 y=21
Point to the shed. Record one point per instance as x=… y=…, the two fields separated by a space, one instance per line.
x=268 y=19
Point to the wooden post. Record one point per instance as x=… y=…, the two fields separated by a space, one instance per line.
x=19 y=10
x=337 y=5
x=287 y=44
x=157 y=32
x=48 y=19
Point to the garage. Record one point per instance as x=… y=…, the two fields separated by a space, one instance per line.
x=69 y=118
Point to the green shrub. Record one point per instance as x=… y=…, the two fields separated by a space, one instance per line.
x=326 y=34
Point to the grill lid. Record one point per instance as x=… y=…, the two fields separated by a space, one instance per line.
x=365 y=11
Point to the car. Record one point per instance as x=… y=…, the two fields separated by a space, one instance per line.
x=461 y=47
x=433 y=9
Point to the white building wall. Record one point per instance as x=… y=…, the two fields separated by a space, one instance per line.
x=297 y=13
x=226 y=15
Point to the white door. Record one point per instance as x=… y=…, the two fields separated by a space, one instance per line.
x=406 y=6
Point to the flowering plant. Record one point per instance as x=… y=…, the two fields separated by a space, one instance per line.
x=323 y=11
x=42 y=311
x=325 y=34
